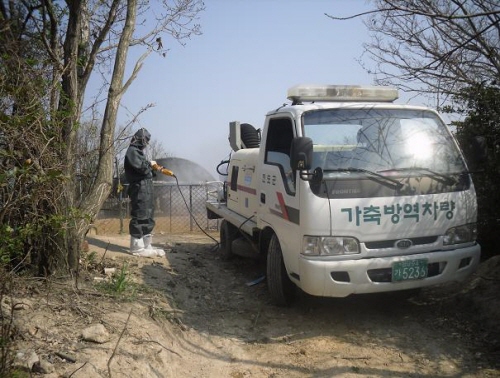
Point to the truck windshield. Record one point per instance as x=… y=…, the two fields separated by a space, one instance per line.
x=389 y=141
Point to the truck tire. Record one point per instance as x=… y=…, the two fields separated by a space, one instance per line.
x=228 y=233
x=281 y=288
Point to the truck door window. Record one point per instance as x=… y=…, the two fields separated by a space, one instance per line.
x=278 y=143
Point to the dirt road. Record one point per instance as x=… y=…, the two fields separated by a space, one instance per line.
x=202 y=316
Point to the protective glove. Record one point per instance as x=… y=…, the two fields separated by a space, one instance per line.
x=155 y=166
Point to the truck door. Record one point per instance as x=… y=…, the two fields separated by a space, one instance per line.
x=278 y=199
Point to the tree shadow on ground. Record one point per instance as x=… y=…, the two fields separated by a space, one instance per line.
x=107 y=245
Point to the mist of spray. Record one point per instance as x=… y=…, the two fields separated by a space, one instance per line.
x=186 y=171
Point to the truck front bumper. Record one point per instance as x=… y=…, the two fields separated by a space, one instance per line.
x=372 y=275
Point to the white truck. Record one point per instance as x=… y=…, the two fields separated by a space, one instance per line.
x=346 y=192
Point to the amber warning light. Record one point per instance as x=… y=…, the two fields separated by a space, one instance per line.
x=337 y=93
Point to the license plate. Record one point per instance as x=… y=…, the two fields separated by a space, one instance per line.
x=409 y=270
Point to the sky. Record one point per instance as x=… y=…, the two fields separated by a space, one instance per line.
x=250 y=53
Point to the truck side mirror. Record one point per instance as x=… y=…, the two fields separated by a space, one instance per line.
x=301 y=153
x=477 y=153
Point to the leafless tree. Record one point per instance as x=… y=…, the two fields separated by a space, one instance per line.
x=433 y=46
x=74 y=39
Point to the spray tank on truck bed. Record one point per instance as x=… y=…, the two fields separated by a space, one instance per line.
x=347 y=192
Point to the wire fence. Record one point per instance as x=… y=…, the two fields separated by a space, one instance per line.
x=178 y=209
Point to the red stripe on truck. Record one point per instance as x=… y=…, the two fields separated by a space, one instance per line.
x=247 y=189
x=281 y=201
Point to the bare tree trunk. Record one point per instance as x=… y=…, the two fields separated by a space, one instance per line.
x=69 y=105
x=101 y=188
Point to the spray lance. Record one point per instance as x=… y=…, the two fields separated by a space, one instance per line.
x=161 y=169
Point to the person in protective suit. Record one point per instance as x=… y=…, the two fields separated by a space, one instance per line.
x=139 y=172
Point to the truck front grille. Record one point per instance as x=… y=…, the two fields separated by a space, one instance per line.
x=390 y=243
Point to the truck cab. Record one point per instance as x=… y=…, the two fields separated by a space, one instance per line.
x=348 y=192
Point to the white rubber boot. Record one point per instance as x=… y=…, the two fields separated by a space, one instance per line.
x=137 y=248
x=148 y=239
x=136 y=245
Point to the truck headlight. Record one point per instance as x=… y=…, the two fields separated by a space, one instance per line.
x=329 y=246
x=461 y=234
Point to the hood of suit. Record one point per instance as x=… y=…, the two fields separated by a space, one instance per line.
x=141 y=138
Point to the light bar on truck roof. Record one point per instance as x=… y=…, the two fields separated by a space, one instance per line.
x=300 y=93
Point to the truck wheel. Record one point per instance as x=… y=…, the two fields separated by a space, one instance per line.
x=281 y=288
x=228 y=233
